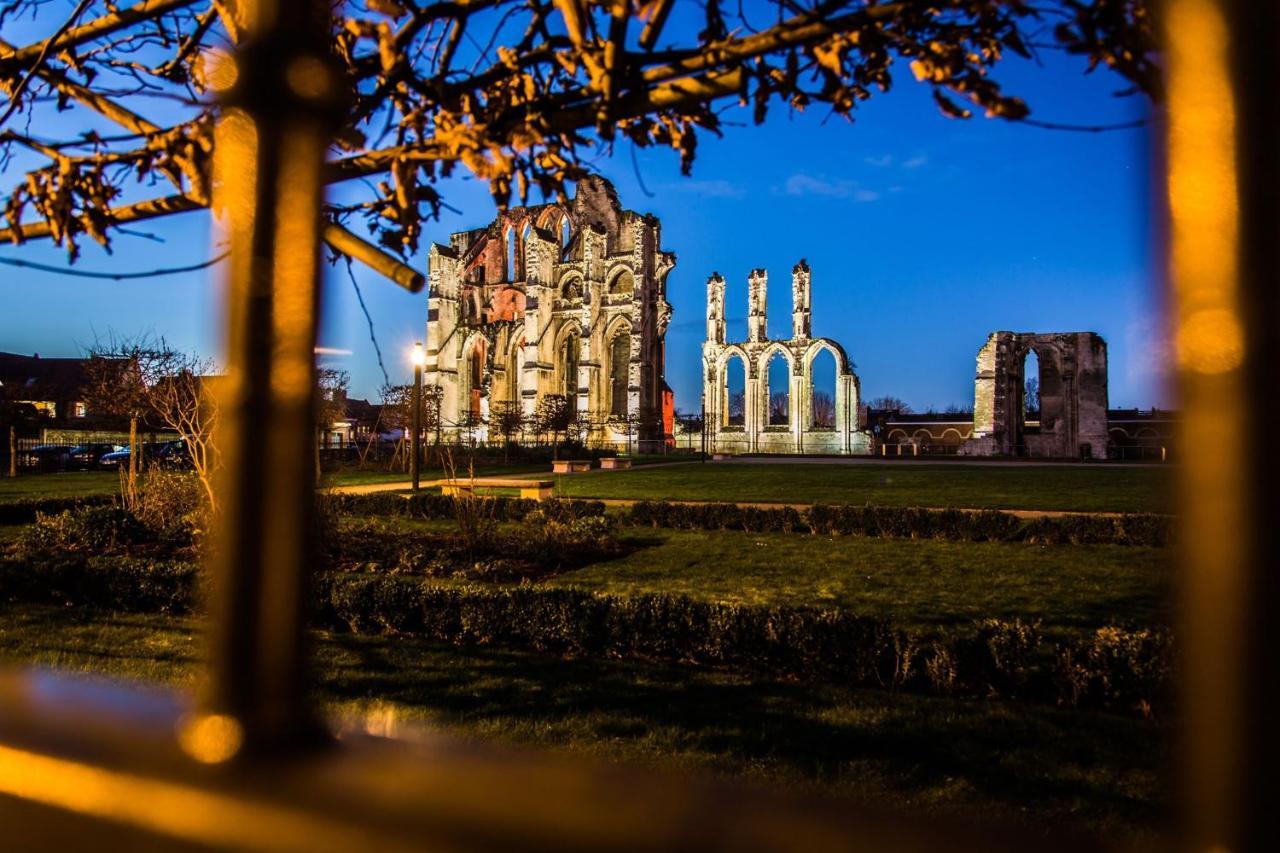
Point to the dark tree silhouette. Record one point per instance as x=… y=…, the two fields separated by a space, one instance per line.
x=514 y=91
x=824 y=409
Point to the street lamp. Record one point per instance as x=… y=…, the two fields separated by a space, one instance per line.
x=419 y=360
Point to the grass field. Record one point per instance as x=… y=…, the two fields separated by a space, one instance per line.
x=1045 y=487
x=1049 y=487
x=1038 y=767
x=69 y=484
x=917 y=583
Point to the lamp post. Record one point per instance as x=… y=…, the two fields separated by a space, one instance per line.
x=419 y=359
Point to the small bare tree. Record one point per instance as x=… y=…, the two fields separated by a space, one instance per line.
x=890 y=404
x=737 y=408
x=507 y=419
x=553 y=415
x=779 y=407
x=824 y=410
x=144 y=377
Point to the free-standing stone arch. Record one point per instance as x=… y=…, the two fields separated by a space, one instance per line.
x=1073 y=396
x=755 y=435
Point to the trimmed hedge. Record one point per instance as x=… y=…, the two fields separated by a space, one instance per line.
x=431 y=505
x=131 y=584
x=880 y=521
x=1115 y=668
x=908 y=523
x=25 y=511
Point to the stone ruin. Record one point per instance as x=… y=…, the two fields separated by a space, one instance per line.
x=1072 y=417
x=745 y=427
x=554 y=299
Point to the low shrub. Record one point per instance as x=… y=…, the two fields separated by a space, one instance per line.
x=25 y=511
x=557 y=543
x=904 y=523
x=173 y=502
x=1113 y=669
x=436 y=506
x=85 y=530
x=998 y=657
x=132 y=584
x=1117 y=668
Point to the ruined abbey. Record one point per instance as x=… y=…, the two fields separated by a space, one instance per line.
x=567 y=304
x=566 y=300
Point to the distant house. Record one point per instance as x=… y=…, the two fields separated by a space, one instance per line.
x=53 y=387
x=358 y=421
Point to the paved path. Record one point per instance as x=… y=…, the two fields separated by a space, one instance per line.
x=371 y=488
x=908 y=461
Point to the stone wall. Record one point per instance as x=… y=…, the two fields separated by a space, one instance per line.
x=1071 y=421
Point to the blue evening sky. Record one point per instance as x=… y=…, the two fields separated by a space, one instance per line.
x=924 y=234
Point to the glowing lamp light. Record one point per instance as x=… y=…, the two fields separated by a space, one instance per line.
x=419 y=357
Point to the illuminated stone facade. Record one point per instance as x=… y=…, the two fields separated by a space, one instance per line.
x=554 y=299
x=1072 y=417
x=750 y=425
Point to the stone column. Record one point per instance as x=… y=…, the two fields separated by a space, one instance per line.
x=800 y=389
x=846 y=414
x=752 y=415
x=715 y=309
x=757 y=310
x=801 y=316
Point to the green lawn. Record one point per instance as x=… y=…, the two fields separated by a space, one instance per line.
x=1038 y=767
x=919 y=583
x=1098 y=488
x=69 y=484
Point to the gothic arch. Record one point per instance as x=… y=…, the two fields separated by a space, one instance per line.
x=621 y=281
x=617 y=358
x=820 y=344
x=513 y=362
x=475 y=357
x=767 y=354
x=571 y=285
x=567 y=353
x=724 y=396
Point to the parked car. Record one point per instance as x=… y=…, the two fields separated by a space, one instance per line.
x=173 y=454
x=114 y=459
x=86 y=456
x=44 y=457
x=166 y=454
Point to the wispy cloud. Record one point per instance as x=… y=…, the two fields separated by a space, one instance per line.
x=801 y=184
x=884 y=161
x=716 y=188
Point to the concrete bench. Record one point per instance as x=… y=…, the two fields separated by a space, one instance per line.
x=538 y=490
x=570 y=466
x=614 y=464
